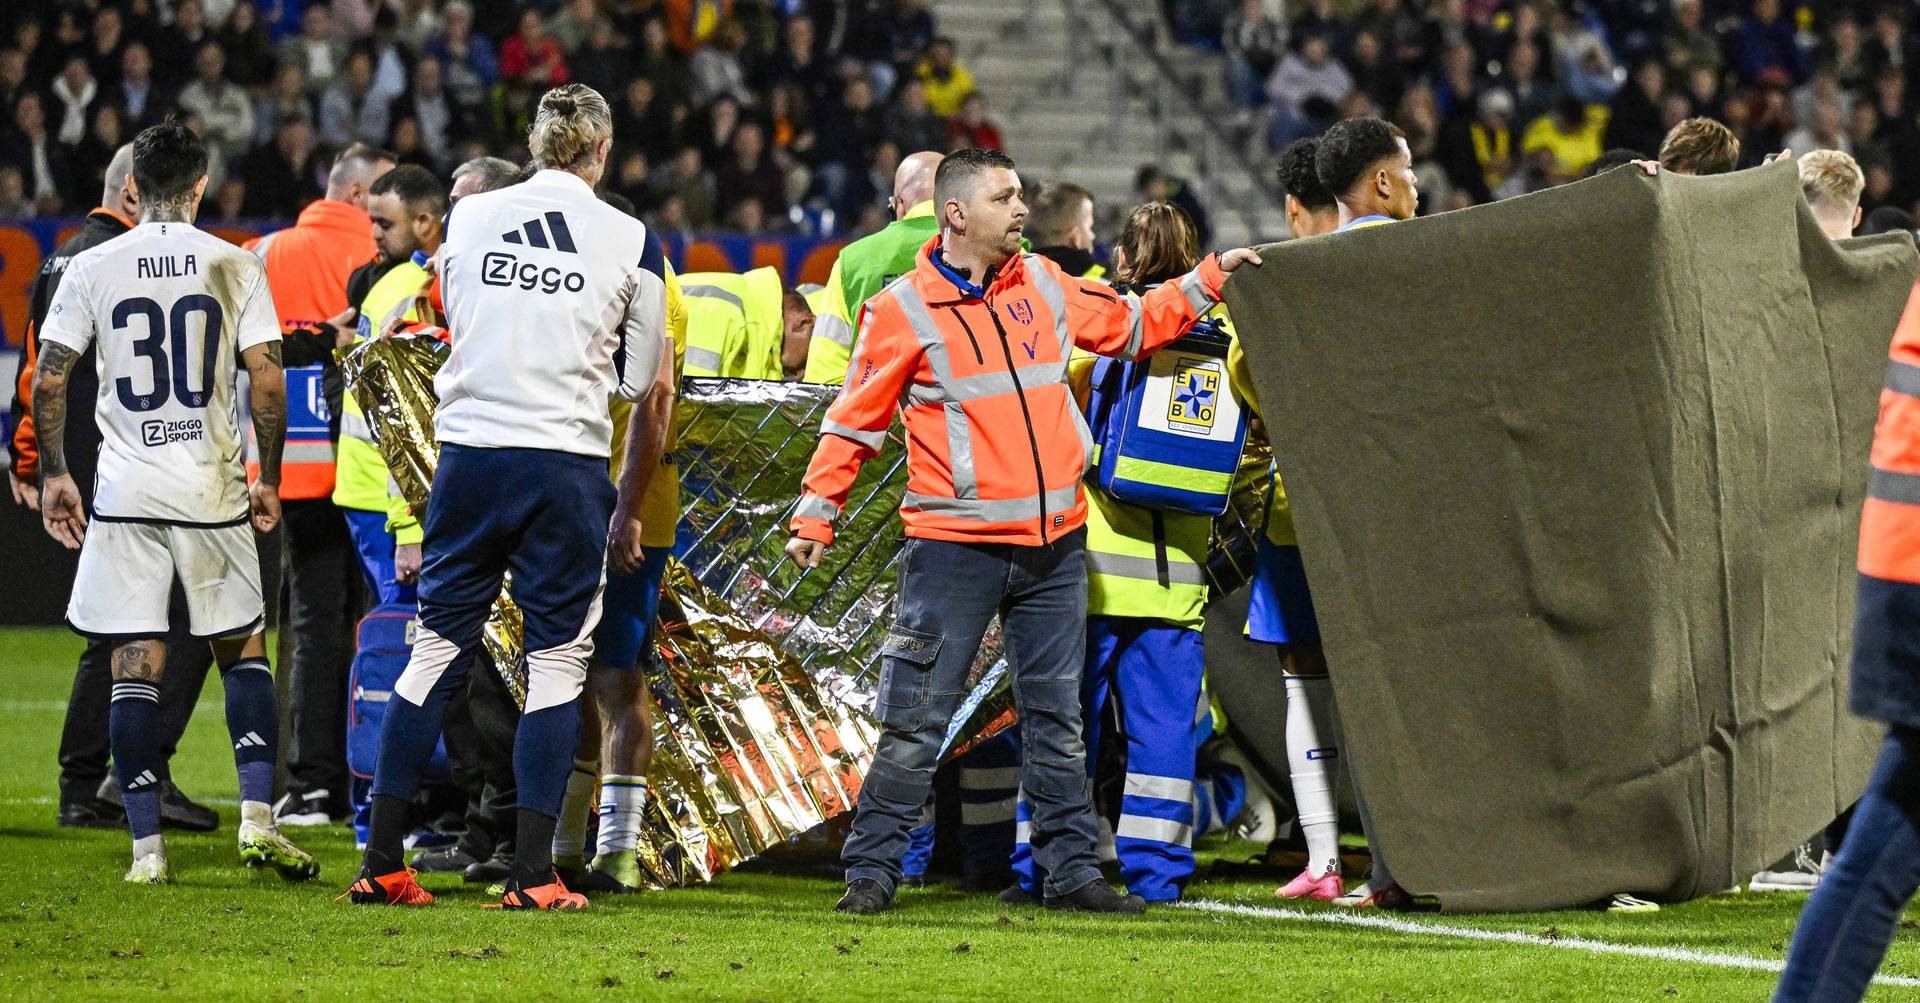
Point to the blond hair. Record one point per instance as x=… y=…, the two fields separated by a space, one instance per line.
x=572 y=120
x=1700 y=146
x=1831 y=180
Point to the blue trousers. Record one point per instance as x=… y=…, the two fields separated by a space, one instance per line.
x=949 y=593
x=1154 y=669
x=375 y=546
x=1852 y=916
x=542 y=515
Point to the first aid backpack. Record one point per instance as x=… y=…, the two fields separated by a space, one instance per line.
x=1167 y=429
x=386 y=643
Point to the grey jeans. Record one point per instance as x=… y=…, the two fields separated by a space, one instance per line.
x=949 y=593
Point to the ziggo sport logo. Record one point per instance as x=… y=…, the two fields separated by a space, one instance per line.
x=501 y=269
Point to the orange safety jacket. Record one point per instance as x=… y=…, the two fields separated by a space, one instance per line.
x=1890 y=519
x=995 y=444
x=307 y=268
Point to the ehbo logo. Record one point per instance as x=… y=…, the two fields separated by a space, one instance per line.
x=159 y=433
x=1196 y=394
x=498 y=268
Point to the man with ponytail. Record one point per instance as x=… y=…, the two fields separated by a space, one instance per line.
x=555 y=301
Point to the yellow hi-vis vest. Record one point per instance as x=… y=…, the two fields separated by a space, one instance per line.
x=1279 y=517
x=734 y=324
x=660 y=506
x=361 y=480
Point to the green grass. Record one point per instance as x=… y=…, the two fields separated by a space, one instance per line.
x=69 y=928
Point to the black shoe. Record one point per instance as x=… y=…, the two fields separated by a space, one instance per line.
x=298 y=808
x=91 y=813
x=913 y=881
x=1098 y=896
x=1013 y=894
x=177 y=811
x=490 y=871
x=864 y=897
x=447 y=860
x=593 y=879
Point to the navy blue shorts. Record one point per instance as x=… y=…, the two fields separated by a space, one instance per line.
x=1281 y=610
x=628 y=608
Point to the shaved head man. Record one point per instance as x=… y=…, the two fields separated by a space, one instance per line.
x=868 y=264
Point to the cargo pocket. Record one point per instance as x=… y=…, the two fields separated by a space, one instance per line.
x=906 y=674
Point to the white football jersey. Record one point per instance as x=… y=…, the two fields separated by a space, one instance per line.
x=168 y=309
x=555 y=300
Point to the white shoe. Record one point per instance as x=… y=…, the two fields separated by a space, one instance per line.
x=261 y=845
x=151 y=869
x=1258 y=821
x=1798 y=873
x=1622 y=902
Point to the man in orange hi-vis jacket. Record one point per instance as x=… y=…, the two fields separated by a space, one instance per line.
x=972 y=346
x=1854 y=911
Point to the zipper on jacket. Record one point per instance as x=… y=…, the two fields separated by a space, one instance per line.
x=1020 y=392
x=975 y=342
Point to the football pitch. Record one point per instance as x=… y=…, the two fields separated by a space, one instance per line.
x=70 y=928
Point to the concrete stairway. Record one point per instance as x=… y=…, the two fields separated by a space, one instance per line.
x=1078 y=99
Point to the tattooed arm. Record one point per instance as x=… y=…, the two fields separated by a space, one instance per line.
x=269 y=382
x=61 y=511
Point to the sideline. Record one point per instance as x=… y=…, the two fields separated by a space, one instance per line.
x=1375 y=921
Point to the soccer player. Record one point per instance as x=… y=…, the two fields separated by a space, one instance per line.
x=1700 y=146
x=170 y=308
x=1832 y=182
x=555 y=300
x=1311 y=208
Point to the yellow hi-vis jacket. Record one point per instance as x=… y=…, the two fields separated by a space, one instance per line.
x=734 y=323
x=361 y=480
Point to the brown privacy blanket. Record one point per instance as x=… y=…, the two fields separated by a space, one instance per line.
x=1577 y=479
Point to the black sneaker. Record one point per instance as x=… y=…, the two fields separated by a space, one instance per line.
x=91 y=813
x=913 y=881
x=1098 y=896
x=490 y=871
x=1013 y=894
x=446 y=860
x=303 y=808
x=864 y=897
x=177 y=811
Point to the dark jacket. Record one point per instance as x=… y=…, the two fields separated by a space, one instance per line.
x=83 y=431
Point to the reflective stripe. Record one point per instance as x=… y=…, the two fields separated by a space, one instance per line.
x=812 y=506
x=925 y=331
x=1148 y=570
x=992 y=509
x=1889 y=486
x=1170 y=475
x=999 y=778
x=1195 y=291
x=1158 y=830
x=1136 y=328
x=1023 y=832
x=355 y=426
x=966 y=481
x=833 y=329
x=980 y=385
x=1089 y=454
x=1054 y=297
x=986 y=814
x=872 y=440
x=1146 y=785
x=716 y=293
x=307 y=452
x=1903 y=378
x=703 y=359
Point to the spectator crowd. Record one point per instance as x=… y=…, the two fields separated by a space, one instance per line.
x=1499 y=98
x=749 y=115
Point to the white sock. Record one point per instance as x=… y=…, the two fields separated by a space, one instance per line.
x=1381 y=876
x=147 y=846
x=1313 y=749
x=621 y=798
x=570 y=832
x=259 y=813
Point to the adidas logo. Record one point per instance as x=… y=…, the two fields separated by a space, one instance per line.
x=250 y=740
x=146 y=778
x=531 y=233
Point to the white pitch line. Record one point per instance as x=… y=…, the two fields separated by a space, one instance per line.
x=1375 y=921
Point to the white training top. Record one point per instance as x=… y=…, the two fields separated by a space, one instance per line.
x=554 y=300
x=171 y=308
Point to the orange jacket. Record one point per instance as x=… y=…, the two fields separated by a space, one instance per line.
x=1890 y=520
x=995 y=444
x=307 y=268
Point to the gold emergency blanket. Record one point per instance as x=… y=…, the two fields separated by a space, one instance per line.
x=392 y=378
